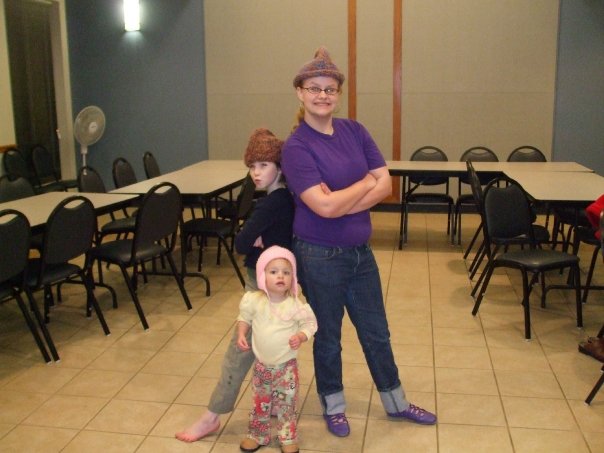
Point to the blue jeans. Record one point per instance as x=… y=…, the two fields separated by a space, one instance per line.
x=338 y=278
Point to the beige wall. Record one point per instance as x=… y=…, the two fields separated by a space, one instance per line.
x=7 y=121
x=374 y=70
x=478 y=72
x=475 y=72
x=253 y=51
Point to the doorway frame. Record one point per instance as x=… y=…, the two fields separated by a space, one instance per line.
x=60 y=64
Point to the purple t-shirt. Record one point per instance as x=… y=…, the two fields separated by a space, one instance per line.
x=339 y=160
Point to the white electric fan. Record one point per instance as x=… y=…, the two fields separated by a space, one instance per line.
x=88 y=128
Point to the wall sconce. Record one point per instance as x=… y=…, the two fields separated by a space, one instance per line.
x=131 y=15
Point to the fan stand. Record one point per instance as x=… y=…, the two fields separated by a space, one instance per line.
x=84 y=152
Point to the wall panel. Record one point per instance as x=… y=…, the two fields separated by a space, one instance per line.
x=474 y=72
x=250 y=72
x=478 y=72
x=374 y=70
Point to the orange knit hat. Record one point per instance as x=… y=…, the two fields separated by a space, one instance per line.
x=263 y=146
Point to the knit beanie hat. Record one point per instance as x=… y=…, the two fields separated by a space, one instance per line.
x=320 y=66
x=263 y=146
x=267 y=256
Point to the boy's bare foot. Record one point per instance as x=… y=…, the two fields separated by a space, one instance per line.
x=198 y=430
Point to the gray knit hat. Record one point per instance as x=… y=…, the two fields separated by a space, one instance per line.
x=320 y=66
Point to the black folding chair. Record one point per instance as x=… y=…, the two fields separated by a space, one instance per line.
x=14 y=250
x=123 y=173
x=507 y=219
x=465 y=202
x=156 y=225
x=46 y=172
x=151 y=166
x=412 y=190
x=526 y=153
x=89 y=180
x=540 y=233
x=68 y=234
x=14 y=189
x=16 y=166
x=221 y=229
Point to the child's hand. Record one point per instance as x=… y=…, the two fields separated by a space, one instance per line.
x=242 y=343
x=296 y=340
x=258 y=242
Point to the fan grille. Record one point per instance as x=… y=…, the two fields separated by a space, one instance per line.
x=89 y=125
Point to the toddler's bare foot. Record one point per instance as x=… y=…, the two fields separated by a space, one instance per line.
x=198 y=430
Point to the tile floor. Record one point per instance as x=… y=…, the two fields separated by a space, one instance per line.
x=492 y=390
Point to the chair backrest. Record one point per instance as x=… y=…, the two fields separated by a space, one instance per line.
x=158 y=216
x=245 y=200
x=15 y=165
x=14 y=243
x=480 y=154
x=526 y=153
x=90 y=181
x=507 y=210
x=69 y=231
x=151 y=166
x=15 y=189
x=477 y=154
x=429 y=153
x=476 y=186
x=44 y=166
x=123 y=173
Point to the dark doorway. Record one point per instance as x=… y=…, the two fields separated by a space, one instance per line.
x=31 y=73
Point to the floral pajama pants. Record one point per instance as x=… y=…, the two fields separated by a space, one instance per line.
x=274 y=386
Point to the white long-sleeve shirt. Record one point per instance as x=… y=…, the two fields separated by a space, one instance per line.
x=274 y=323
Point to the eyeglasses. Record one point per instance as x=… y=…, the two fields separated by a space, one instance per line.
x=329 y=91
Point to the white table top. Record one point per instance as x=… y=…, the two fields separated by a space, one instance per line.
x=208 y=177
x=531 y=166
x=37 y=209
x=409 y=166
x=401 y=167
x=570 y=187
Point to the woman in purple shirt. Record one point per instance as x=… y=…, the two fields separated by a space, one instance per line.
x=337 y=173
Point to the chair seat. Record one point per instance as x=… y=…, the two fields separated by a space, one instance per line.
x=123 y=225
x=536 y=260
x=587 y=236
x=50 y=187
x=227 y=211
x=540 y=233
x=465 y=198
x=207 y=226
x=120 y=251
x=430 y=198
x=69 y=183
x=52 y=273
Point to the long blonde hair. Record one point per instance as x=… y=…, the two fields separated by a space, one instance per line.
x=299 y=118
